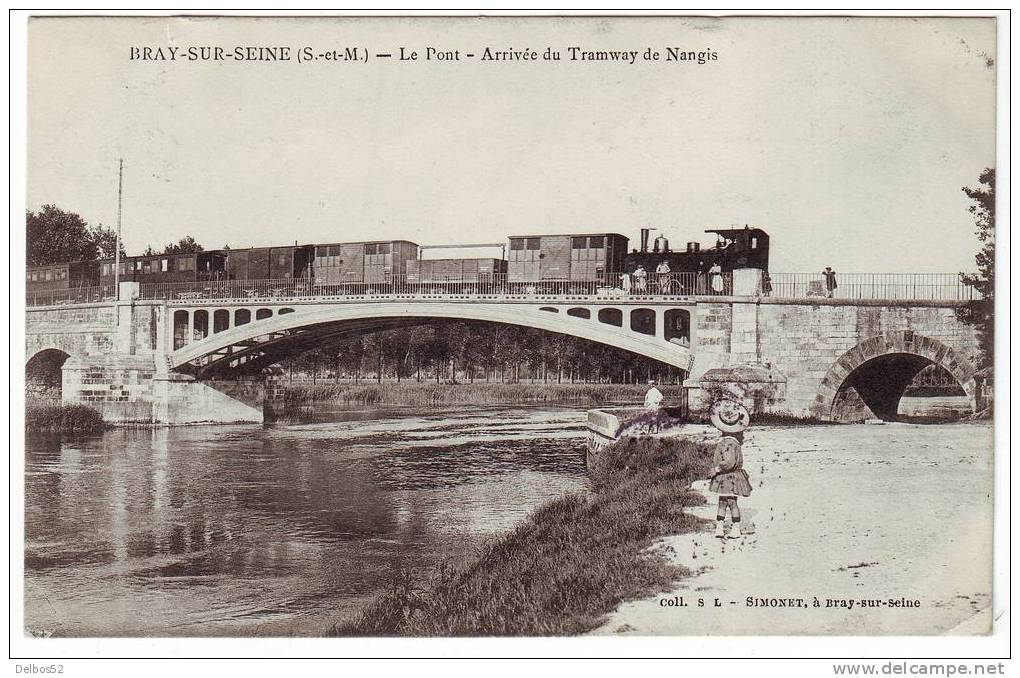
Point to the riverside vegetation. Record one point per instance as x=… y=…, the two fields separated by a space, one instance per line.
x=566 y=566
x=60 y=418
x=415 y=393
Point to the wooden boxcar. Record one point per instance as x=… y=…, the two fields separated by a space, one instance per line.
x=275 y=263
x=248 y=264
x=291 y=262
x=454 y=270
x=573 y=257
x=363 y=262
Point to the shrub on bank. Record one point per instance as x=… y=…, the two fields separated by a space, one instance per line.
x=567 y=565
x=424 y=393
x=56 y=417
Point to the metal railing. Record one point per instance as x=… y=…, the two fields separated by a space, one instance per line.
x=893 y=286
x=80 y=295
x=475 y=285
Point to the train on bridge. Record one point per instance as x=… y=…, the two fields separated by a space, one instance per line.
x=561 y=263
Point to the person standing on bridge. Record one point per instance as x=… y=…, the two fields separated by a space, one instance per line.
x=830 y=282
x=662 y=276
x=641 y=279
x=715 y=277
x=625 y=282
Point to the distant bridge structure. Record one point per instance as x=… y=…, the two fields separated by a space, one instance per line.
x=178 y=354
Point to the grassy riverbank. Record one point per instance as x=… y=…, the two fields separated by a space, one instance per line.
x=479 y=393
x=567 y=565
x=57 y=417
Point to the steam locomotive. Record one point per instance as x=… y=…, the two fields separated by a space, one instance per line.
x=734 y=248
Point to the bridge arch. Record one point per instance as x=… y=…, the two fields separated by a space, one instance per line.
x=312 y=322
x=875 y=373
x=44 y=371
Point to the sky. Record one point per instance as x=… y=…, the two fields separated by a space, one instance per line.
x=847 y=140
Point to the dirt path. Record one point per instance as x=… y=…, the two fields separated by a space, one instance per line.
x=893 y=512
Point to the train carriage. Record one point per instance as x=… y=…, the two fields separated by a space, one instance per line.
x=462 y=276
x=572 y=258
x=248 y=264
x=360 y=267
x=66 y=276
x=293 y=262
x=166 y=268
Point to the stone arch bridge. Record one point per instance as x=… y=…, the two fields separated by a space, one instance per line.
x=191 y=360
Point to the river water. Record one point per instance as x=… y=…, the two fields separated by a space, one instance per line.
x=279 y=529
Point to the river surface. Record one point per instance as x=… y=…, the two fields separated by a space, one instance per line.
x=274 y=530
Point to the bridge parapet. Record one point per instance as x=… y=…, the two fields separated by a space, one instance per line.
x=742 y=283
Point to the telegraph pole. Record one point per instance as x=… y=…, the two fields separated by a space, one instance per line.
x=116 y=250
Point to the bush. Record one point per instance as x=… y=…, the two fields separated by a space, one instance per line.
x=54 y=417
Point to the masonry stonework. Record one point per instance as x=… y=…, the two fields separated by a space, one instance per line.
x=803 y=339
x=78 y=331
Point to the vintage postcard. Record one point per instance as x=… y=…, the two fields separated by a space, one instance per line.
x=478 y=326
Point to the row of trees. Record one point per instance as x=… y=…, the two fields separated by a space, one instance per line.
x=448 y=351
x=55 y=236
x=186 y=245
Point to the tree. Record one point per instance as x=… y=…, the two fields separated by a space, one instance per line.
x=981 y=312
x=106 y=242
x=185 y=245
x=54 y=236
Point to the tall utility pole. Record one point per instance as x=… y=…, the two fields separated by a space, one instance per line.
x=116 y=247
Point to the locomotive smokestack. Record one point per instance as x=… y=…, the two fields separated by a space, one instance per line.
x=644 y=240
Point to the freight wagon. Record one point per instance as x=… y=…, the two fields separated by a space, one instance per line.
x=579 y=257
x=272 y=263
x=456 y=275
x=354 y=268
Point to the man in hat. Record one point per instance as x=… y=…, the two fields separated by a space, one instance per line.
x=830 y=282
x=653 y=398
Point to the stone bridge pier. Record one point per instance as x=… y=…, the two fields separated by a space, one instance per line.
x=832 y=359
x=111 y=356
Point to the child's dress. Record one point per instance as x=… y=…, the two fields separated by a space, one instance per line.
x=732 y=478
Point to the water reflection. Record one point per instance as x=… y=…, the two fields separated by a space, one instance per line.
x=277 y=529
